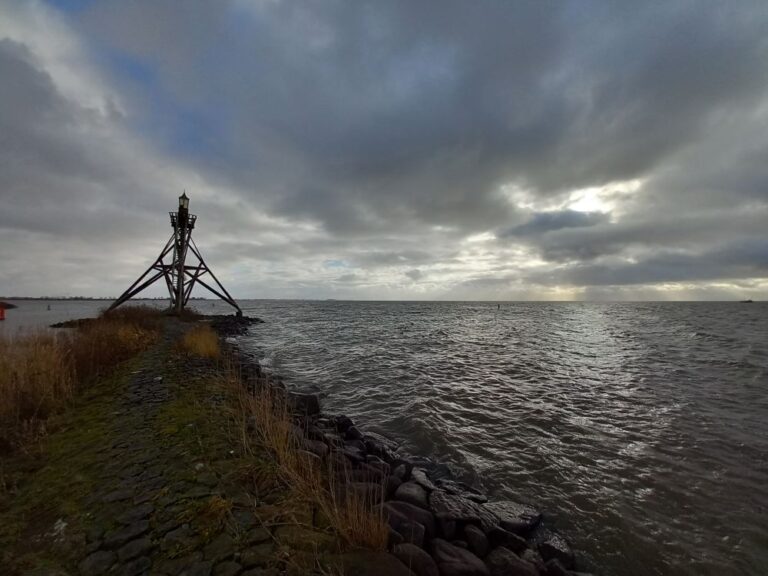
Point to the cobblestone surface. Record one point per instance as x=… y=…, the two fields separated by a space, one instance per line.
x=165 y=488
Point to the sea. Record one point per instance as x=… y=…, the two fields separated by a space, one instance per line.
x=639 y=429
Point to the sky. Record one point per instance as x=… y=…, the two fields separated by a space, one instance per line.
x=402 y=150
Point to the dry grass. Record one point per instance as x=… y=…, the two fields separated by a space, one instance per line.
x=39 y=372
x=357 y=519
x=202 y=341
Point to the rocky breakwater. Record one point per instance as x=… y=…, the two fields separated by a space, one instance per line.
x=438 y=525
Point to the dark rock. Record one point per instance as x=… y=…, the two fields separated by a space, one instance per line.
x=457 y=507
x=97 y=563
x=411 y=532
x=139 y=512
x=307 y=404
x=353 y=433
x=377 y=464
x=380 y=446
x=500 y=537
x=552 y=545
x=118 y=495
x=354 y=454
x=176 y=565
x=446 y=528
x=455 y=561
x=315 y=447
x=258 y=534
x=412 y=493
x=393 y=483
x=136 y=567
x=419 y=475
x=414 y=514
x=456 y=487
x=207 y=479
x=244 y=518
x=532 y=556
x=260 y=555
x=343 y=423
x=394 y=538
x=134 y=548
x=367 y=563
x=401 y=472
x=199 y=569
x=504 y=562
x=555 y=568
x=478 y=543
x=515 y=517
x=117 y=538
x=420 y=563
x=220 y=548
x=227 y=568
x=179 y=538
x=460 y=544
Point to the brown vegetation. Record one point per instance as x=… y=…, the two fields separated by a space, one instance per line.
x=202 y=341
x=39 y=372
x=356 y=518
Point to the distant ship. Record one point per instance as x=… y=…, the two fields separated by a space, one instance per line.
x=746 y=301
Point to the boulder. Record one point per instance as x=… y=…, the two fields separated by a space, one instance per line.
x=307 y=404
x=455 y=561
x=419 y=562
x=447 y=528
x=353 y=433
x=456 y=487
x=393 y=483
x=515 y=517
x=478 y=543
x=401 y=472
x=503 y=562
x=555 y=568
x=500 y=537
x=320 y=449
x=552 y=545
x=412 y=513
x=410 y=532
x=412 y=493
x=343 y=423
x=456 y=507
x=419 y=475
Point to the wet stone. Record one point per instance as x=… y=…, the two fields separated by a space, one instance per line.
x=97 y=563
x=456 y=561
x=207 y=479
x=174 y=566
x=515 y=517
x=502 y=561
x=256 y=535
x=136 y=567
x=259 y=555
x=221 y=548
x=228 y=568
x=199 y=569
x=180 y=538
x=119 y=537
x=118 y=495
x=134 y=548
x=139 y=512
x=415 y=558
x=412 y=493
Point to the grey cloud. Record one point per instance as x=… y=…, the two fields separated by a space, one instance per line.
x=390 y=129
x=543 y=222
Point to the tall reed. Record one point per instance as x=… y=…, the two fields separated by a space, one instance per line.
x=40 y=371
x=357 y=518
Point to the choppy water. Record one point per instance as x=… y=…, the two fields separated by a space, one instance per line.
x=642 y=429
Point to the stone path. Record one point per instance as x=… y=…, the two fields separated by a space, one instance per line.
x=145 y=475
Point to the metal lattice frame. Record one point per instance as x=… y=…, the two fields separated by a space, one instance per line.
x=180 y=277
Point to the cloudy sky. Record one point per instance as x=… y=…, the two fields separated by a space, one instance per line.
x=387 y=149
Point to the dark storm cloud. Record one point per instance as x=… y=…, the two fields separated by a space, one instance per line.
x=386 y=135
x=555 y=220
